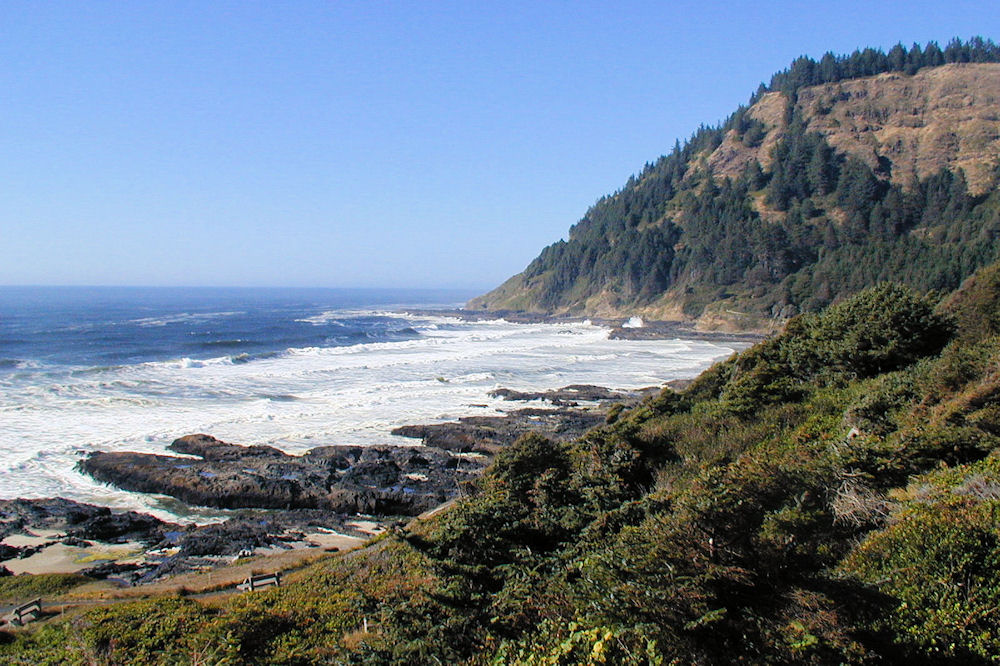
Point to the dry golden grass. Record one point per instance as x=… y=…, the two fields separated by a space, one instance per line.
x=222 y=578
x=941 y=117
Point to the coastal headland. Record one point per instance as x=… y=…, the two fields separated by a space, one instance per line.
x=627 y=328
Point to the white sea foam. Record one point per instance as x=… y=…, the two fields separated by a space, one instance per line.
x=305 y=397
x=328 y=317
x=182 y=318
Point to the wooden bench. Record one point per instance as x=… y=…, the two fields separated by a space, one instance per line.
x=25 y=613
x=260 y=582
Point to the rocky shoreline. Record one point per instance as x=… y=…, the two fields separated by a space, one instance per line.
x=382 y=480
x=131 y=548
x=328 y=498
x=566 y=421
x=330 y=494
x=620 y=328
x=378 y=480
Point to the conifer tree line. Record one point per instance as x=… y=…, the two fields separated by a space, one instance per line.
x=844 y=226
x=804 y=71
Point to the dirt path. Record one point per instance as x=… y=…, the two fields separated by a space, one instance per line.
x=216 y=583
x=202 y=586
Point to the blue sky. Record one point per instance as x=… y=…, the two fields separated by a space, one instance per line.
x=348 y=144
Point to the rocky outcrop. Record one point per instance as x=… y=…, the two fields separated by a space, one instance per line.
x=489 y=434
x=666 y=330
x=167 y=548
x=382 y=480
x=568 y=396
x=78 y=521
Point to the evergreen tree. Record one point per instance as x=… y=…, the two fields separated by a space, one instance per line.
x=897 y=58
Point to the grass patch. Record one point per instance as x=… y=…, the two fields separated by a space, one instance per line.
x=99 y=557
x=25 y=587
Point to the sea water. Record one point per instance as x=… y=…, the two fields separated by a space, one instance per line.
x=130 y=369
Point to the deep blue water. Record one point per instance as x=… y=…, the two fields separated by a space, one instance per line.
x=106 y=326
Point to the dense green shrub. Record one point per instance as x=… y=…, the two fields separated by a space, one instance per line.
x=940 y=564
x=881 y=329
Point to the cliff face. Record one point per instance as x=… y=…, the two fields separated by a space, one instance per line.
x=660 y=246
x=944 y=117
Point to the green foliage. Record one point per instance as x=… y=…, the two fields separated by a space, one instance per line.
x=879 y=330
x=805 y=71
x=163 y=631
x=975 y=304
x=140 y=632
x=878 y=406
x=571 y=644
x=939 y=564
x=519 y=468
x=16 y=589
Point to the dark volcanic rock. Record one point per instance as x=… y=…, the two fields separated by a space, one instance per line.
x=569 y=396
x=210 y=448
x=383 y=480
x=227 y=538
x=489 y=434
x=665 y=330
x=50 y=513
x=122 y=527
x=254 y=529
x=78 y=521
x=197 y=546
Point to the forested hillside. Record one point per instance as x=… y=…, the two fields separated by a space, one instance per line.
x=839 y=174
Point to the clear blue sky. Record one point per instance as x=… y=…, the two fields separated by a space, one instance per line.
x=419 y=144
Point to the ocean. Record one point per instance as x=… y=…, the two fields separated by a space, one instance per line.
x=131 y=369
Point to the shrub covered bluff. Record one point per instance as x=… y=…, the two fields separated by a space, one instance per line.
x=829 y=495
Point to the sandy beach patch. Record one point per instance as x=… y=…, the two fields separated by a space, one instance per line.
x=331 y=539
x=366 y=526
x=33 y=538
x=60 y=558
